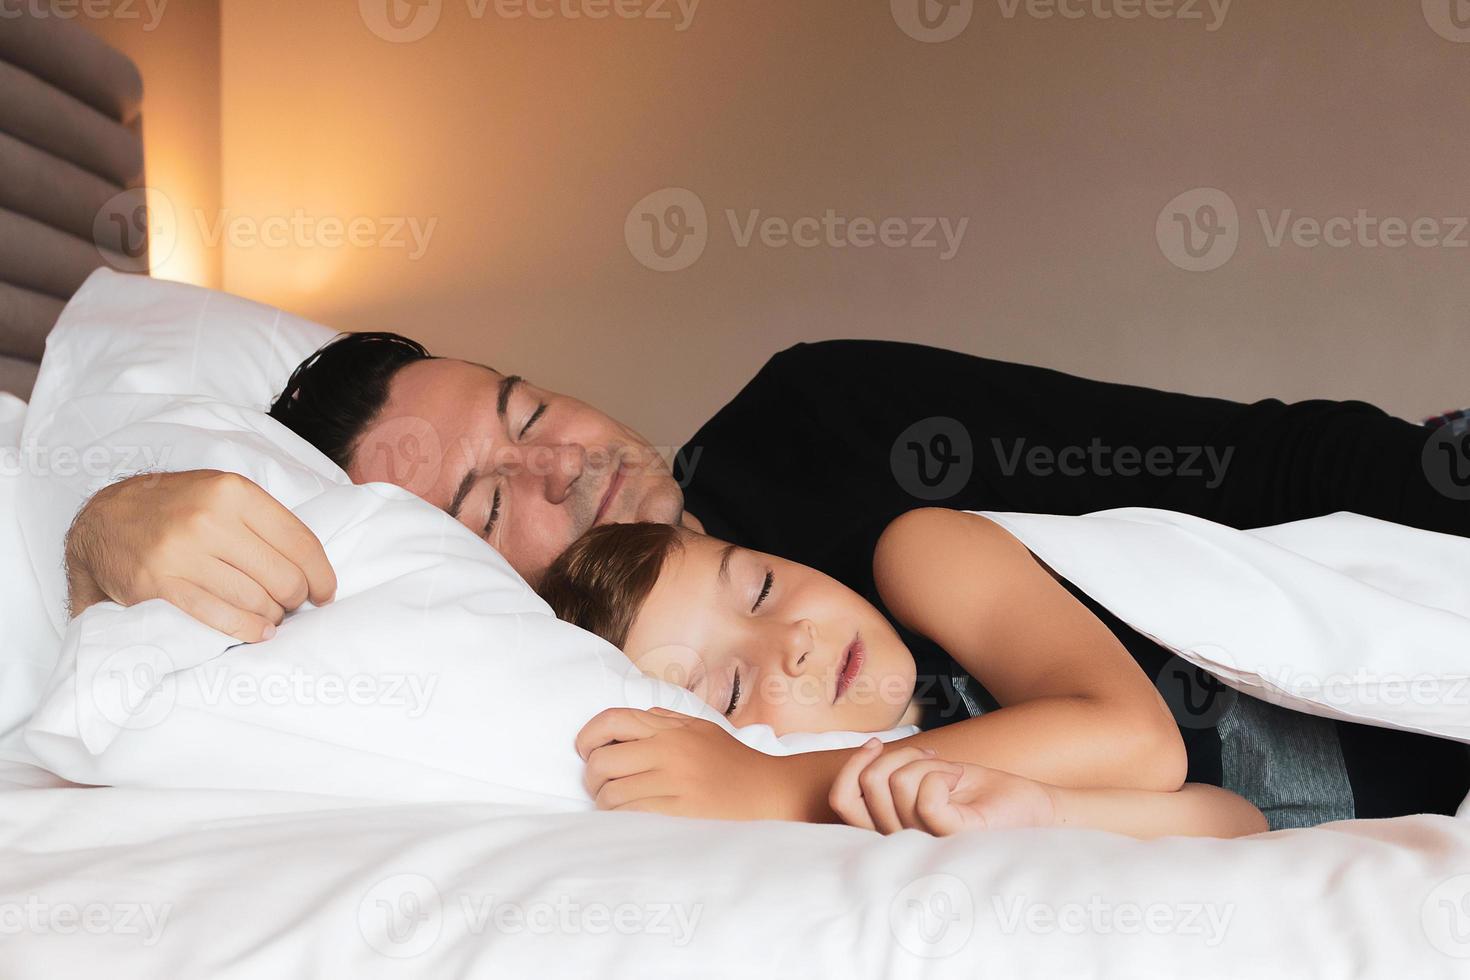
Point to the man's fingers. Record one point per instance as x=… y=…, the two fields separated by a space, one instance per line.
x=619 y=725
x=845 y=797
x=238 y=589
x=216 y=613
x=283 y=532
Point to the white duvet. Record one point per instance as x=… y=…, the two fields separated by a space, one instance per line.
x=182 y=884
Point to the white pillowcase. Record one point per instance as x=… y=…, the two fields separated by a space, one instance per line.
x=30 y=643
x=127 y=348
x=435 y=674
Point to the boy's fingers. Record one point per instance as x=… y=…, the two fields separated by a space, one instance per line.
x=617 y=793
x=617 y=760
x=845 y=799
x=904 y=786
x=877 y=796
x=619 y=725
x=932 y=804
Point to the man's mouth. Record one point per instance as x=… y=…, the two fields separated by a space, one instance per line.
x=851 y=667
x=613 y=486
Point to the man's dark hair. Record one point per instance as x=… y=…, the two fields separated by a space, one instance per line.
x=334 y=395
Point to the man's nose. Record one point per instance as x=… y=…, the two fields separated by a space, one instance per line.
x=799 y=647
x=555 y=469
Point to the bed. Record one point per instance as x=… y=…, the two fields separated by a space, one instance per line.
x=233 y=843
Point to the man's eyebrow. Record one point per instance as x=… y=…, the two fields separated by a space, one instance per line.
x=508 y=385
x=725 y=553
x=463 y=491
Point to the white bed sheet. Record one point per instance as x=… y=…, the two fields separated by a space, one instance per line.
x=159 y=883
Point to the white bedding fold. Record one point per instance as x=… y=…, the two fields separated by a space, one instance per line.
x=184 y=884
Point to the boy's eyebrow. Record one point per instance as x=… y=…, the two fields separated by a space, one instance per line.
x=725 y=554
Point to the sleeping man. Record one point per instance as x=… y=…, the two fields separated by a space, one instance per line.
x=812 y=460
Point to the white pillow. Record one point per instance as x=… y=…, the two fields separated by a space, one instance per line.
x=145 y=696
x=126 y=348
x=30 y=645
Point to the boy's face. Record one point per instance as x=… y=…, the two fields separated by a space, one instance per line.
x=766 y=641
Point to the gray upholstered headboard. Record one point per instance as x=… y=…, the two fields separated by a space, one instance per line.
x=70 y=141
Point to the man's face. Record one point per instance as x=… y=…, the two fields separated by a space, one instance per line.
x=527 y=469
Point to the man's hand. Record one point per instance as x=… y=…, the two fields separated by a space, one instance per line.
x=660 y=761
x=214 y=544
x=909 y=788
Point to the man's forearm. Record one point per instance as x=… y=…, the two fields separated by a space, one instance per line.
x=1195 y=810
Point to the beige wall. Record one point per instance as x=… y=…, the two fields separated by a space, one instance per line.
x=176 y=45
x=528 y=141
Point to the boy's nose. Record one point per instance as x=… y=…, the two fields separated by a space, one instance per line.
x=801 y=645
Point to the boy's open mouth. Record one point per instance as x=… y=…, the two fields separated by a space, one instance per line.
x=852 y=665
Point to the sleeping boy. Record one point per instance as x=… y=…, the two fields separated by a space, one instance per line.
x=1082 y=737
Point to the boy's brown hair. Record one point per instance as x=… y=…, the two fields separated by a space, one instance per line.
x=602 y=580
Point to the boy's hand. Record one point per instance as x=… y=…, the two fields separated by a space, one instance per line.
x=660 y=761
x=908 y=788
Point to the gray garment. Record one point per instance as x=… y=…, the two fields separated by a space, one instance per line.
x=1287 y=763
